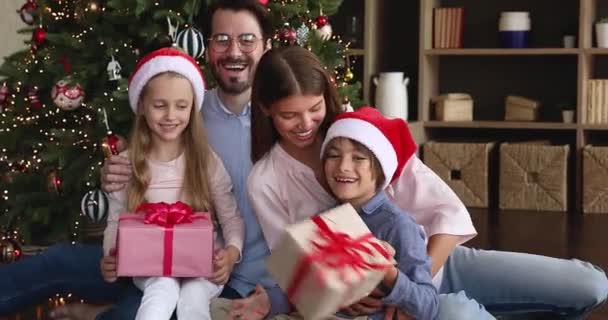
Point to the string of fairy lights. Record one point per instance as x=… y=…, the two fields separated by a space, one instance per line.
x=81 y=124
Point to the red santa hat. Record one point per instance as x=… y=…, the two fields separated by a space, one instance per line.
x=389 y=140
x=164 y=60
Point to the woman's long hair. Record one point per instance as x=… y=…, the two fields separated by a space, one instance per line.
x=283 y=72
x=195 y=187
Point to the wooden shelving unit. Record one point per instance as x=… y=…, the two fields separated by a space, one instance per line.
x=500 y=52
x=500 y=125
x=355 y=52
x=367 y=50
x=565 y=73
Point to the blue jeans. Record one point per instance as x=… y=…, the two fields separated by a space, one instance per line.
x=510 y=282
x=60 y=269
x=64 y=269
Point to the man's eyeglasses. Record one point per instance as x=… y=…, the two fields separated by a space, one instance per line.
x=220 y=43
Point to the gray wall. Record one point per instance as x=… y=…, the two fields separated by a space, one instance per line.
x=10 y=22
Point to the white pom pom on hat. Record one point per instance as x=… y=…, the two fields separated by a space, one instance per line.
x=164 y=60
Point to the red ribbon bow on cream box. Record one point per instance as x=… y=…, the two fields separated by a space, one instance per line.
x=327 y=262
x=167 y=240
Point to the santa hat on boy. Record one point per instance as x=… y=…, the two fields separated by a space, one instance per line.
x=389 y=140
x=163 y=60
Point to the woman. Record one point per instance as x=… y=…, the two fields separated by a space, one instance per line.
x=293 y=102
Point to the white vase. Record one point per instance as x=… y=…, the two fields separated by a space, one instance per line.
x=391 y=94
x=601 y=32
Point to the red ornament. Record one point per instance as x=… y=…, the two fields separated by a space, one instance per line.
x=263 y=2
x=288 y=34
x=10 y=250
x=109 y=145
x=54 y=182
x=32 y=95
x=4 y=91
x=28 y=11
x=39 y=37
x=321 y=21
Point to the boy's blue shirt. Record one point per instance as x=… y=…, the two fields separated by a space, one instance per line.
x=413 y=290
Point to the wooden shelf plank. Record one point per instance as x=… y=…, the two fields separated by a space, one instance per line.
x=501 y=125
x=501 y=52
x=355 y=52
x=597 y=51
x=596 y=127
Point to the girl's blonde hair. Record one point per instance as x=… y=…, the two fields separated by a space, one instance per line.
x=195 y=188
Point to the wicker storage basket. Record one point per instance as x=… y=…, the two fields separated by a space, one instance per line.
x=533 y=177
x=464 y=167
x=595 y=179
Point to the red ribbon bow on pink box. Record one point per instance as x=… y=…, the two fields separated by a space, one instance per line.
x=166 y=214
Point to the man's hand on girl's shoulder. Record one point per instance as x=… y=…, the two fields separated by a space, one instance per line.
x=115 y=173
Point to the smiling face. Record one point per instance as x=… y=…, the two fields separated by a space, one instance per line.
x=232 y=64
x=352 y=172
x=297 y=119
x=166 y=105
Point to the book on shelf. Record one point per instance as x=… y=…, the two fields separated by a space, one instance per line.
x=447 y=27
x=596 y=110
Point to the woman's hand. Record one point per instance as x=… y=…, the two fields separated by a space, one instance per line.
x=366 y=306
x=108 y=266
x=392 y=313
x=254 y=307
x=223 y=262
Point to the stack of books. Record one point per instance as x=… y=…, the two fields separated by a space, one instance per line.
x=597 y=101
x=447 y=27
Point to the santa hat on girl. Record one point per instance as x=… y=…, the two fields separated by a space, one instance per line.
x=163 y=60
x=389 y=140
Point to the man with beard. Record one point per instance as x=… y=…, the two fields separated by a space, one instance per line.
x=240 y=34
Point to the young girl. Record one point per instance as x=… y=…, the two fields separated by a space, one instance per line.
x=293 y=100
x=361 y=153
x=172 y=161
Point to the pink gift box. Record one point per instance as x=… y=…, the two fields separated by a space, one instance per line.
x=147 y=249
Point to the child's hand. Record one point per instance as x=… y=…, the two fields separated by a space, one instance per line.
x=254 y=307
x=108 y=266
x=223 y=263
x=393 y=313
x=389 y=249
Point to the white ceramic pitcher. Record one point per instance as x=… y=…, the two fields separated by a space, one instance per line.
x=391 y=94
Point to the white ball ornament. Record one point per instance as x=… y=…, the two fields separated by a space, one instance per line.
x=94 y=205
x=191 y=41
x=67 y=97
x=325 y=32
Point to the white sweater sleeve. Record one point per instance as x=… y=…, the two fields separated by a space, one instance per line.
x=116 y=206
x=430 y=201
x=224 y=204
x=264 y=192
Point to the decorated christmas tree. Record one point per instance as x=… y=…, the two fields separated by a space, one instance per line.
x=63 y=99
